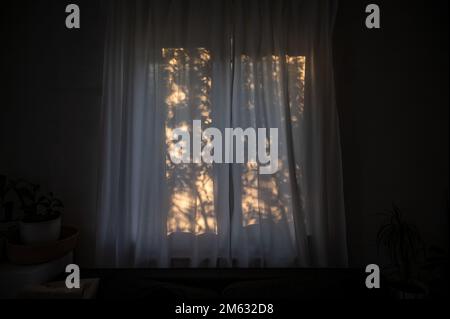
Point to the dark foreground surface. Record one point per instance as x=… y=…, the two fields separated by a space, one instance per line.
x=273 y=284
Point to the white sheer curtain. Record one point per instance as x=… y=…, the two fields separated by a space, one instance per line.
x=259 y=64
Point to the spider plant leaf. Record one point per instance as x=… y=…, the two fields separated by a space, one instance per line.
x=382 y=230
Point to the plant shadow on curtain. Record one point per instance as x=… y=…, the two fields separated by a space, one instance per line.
x=227 y=64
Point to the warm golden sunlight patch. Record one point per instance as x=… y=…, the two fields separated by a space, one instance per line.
x=263 y=196
x=191 y=187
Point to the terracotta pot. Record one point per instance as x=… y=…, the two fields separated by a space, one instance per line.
x=19 y=253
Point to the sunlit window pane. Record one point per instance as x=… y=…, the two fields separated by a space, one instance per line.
x=187 y=74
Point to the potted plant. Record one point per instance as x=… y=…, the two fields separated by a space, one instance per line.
x=42 y=214
x=405 y=248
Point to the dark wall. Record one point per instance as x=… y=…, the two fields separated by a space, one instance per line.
x=392 y=94
x=50 y=123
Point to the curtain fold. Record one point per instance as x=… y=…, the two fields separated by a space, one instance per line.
x=227 y=64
